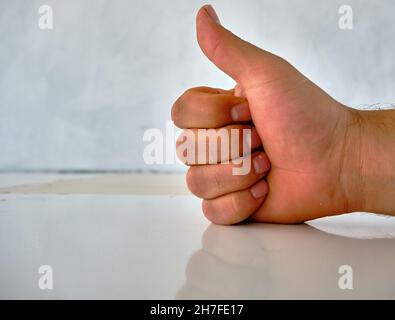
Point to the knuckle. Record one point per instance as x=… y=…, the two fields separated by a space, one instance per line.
x=176 y=113
x=178 y=108
x=193 y=182
x=186 y=97
x=209 y=211
x=185 y=147
x=181 y=154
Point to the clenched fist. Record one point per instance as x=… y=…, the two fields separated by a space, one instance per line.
x=308 y=157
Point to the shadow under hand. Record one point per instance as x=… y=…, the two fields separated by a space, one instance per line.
x=266 y=261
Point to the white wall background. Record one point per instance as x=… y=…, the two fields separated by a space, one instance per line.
x=81 y=95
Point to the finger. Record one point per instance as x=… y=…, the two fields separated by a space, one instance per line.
x=204 y=146
x=212 y=181
x=237 y=206
x=209 y=108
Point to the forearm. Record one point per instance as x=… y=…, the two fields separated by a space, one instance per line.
x=377 y=161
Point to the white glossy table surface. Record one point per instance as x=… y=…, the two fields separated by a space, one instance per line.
x=144 y=237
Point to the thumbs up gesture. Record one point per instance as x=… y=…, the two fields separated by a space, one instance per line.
x=305 y=145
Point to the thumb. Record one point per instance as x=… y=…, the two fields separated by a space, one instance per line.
x=232 y=55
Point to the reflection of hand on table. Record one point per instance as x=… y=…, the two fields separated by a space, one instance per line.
x=278 y=261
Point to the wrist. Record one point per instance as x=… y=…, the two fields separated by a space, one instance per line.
x=371 y=161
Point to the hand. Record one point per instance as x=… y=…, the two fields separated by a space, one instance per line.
x=314 y=143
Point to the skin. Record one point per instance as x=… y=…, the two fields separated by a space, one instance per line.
x=318 y=157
